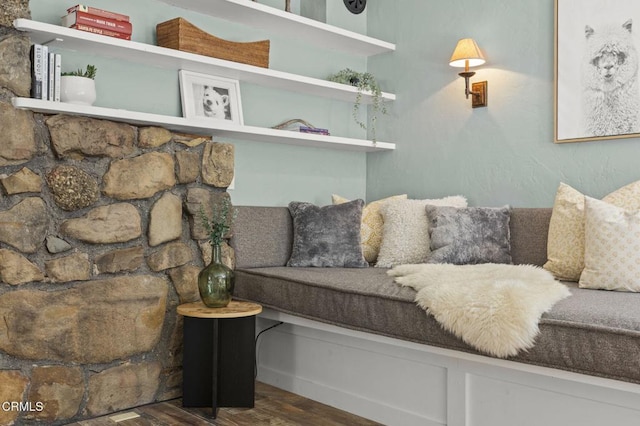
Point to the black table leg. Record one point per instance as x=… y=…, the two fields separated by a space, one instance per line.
x=236 y=365
x=197 y=368
x=214 y=367
x=218 y=362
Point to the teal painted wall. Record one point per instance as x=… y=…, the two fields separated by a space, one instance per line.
x=266 y=174
x=496 y=155
x=502 y=154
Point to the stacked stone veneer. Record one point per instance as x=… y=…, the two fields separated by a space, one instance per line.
x=99 y=242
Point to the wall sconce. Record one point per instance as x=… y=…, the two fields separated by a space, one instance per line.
x=467 y=54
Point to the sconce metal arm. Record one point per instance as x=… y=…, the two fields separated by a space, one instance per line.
x=467 y=75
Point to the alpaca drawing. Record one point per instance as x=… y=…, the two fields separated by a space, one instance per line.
x=611 y=101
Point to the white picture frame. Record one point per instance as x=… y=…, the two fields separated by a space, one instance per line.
x=596 y=67
x=210 y=97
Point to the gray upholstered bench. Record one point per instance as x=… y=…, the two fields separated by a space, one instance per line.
x=594 y=333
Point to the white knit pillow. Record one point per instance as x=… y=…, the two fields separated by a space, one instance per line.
x=405 y=233
x=612 y=247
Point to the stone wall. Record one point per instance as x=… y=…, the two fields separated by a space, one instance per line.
x=98 y=245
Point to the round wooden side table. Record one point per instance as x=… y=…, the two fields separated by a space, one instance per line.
x=219 y=355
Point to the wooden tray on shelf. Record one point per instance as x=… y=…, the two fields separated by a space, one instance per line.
x=180 y=34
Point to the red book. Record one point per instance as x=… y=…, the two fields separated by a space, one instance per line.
x=98 y=12
x=76 y=18
x=101 y=31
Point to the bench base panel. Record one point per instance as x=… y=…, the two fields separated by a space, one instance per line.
x=396 y=382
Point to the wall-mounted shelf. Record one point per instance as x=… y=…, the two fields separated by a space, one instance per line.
x=217 y=128
x=161 y=57
x=268 y=18
x=243 y=11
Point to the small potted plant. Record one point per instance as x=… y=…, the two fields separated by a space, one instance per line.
x=79 y=87
x=216 y=281
x=363 y=81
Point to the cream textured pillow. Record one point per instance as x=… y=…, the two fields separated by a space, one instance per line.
x=612 y=247
x=405 y=234
x=627 y=197
x=565 y=246
x=371 y=228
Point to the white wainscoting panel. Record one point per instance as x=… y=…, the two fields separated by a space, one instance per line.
x=495 y=402
x=343 y=372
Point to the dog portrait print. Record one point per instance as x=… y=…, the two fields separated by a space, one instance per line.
x=610 y=96
x=215 y=103
x=210 y=99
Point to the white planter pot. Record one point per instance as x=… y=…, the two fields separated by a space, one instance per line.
x=77 y=90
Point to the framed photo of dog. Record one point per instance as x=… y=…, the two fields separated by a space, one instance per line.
x=597 y=95
x=210 y=97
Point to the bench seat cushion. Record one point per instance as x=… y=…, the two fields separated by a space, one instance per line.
x=594 y=332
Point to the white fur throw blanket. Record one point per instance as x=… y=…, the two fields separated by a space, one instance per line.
x=492 y=307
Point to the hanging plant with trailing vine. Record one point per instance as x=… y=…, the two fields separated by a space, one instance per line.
x=364 y=82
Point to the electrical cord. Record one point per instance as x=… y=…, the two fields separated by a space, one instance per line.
x=255 y=359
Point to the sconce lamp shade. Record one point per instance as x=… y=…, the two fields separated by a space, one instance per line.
x=466 y=54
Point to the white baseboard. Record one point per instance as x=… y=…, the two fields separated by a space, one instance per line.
x=396 y=382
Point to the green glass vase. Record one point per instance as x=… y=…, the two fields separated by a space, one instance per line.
x=216 y=281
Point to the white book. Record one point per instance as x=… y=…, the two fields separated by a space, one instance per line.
x=52 y=73
x=45 y=73
x=56 y=79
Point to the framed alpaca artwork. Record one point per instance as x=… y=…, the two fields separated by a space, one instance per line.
x=210 y=97
x=597 y=95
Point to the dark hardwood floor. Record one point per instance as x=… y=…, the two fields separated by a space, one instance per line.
x=273 y=407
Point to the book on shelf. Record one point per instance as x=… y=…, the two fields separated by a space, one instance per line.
x=44 y=94
x=315 y=130
x=101 y=31
x=51 y=65
x=56 y=77
x=37 y=63
x=98 y=12
x=77 y=17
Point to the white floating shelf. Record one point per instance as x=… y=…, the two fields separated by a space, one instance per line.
x=268 y=18
x=68 y=38
x=209 y=127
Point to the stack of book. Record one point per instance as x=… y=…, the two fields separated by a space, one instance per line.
x=46 y=68
x=315 y=130
x=98 y=21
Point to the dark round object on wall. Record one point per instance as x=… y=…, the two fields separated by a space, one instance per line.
x=355 y=6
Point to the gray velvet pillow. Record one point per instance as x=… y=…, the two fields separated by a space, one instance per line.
x=469 y=235
x=327 y=236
